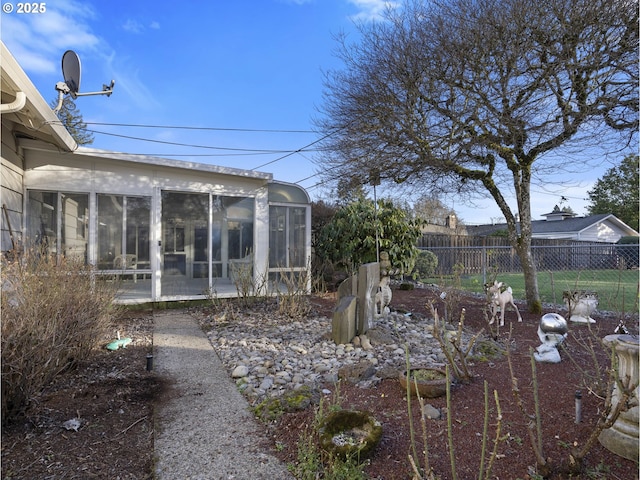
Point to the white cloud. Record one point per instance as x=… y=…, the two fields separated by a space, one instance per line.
x=127 y=79
x=132 y=26
x=38 y=40
x=372 y=10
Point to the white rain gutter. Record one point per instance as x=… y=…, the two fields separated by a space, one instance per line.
x=15 y=106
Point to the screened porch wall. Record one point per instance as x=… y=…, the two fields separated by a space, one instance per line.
x=121 y=214
x=289 y=236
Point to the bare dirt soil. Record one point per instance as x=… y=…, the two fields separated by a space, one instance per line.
x=557 y=384
x=114 y=397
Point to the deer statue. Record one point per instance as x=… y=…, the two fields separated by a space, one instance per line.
x=499 y=297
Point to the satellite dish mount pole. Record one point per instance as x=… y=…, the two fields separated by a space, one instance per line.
x=71 y=72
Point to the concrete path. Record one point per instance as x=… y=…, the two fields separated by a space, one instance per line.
x=205 y=430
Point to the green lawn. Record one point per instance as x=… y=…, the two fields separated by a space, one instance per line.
x=617 y=289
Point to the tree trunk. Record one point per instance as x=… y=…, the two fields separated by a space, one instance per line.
x=522 y=242
x=532 y=294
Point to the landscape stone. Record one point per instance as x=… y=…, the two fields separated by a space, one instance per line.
x=264 y=346
x=240 y=371
x=344 y=320
x=388 y=372
x=368 y=281
x=348 y=287
x=432 y=412
x=363 y=370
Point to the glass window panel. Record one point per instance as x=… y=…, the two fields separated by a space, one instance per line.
x=110 y=217
x=138 y=228
x=216 y=241
x=58 y=222
x=239 y=214
x=277 y=237
x=74 y=231
x=297 y=236
x=287 y=193
x=287 y=237
x=42 y=221
x=131 y=250
x=200 y=243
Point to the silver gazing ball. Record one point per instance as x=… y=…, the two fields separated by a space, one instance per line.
x=553 y=323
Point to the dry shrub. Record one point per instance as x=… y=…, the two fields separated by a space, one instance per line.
x=293 y=293
x=53 y=315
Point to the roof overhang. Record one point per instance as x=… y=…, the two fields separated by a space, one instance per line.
x=168 y=163
x=36 y=118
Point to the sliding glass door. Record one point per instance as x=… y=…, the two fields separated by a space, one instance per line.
x=205 y=238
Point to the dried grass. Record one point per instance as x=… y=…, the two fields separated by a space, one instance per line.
x=54 y=311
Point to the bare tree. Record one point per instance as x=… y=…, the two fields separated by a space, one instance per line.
x=473 y=96
x=430 y=209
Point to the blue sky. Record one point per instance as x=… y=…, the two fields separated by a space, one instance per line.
x=232 y=65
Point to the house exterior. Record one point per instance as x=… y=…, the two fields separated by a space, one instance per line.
x=564 y=225
x=169 y=230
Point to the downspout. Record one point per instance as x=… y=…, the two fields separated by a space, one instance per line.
x=15 y=106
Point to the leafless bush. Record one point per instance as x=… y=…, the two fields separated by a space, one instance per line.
x=53 y=314
x=251 y=288
x=451 y=294
x=293 y=293
x=451 y=344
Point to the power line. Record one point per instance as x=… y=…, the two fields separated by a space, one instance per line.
x=164 y=142
x=194 y=154
x=303 y=149
x=212 y=129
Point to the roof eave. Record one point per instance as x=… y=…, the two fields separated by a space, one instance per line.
x=36 y=111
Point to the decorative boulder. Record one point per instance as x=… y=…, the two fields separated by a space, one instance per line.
x=343 y=327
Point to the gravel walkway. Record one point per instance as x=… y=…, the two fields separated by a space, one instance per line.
x=205 y=429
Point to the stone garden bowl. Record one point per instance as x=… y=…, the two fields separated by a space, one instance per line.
x=431 y=382
x=350 y=433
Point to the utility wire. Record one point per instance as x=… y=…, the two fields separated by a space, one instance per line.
x=303 y=149
x=213 y=129
x=141 y=139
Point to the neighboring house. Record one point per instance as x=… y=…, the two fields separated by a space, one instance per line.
x=564 y=225
x=450 y=226
x=171 y=230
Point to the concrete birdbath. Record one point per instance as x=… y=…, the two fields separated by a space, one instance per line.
x=622 y=437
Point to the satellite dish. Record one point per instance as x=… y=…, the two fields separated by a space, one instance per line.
x=71 y=71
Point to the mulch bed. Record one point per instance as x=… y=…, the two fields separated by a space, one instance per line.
x=114 y=396
x=557 y=384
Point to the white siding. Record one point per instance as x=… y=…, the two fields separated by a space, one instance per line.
x=11 y=191
x=601 y=232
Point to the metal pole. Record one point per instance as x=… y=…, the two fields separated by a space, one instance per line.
x=375 y=217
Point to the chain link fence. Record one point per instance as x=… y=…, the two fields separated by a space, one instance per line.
x=609 y=270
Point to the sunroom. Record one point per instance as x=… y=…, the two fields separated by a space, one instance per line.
x=163 y=229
